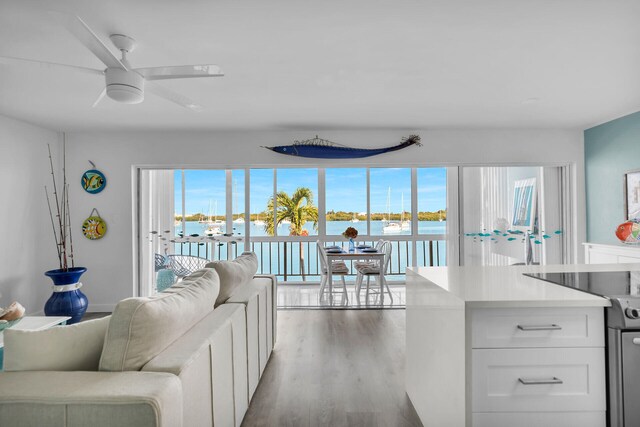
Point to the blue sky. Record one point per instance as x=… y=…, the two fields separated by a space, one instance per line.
x=345 y=188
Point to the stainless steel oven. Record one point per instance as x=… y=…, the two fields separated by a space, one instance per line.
x=624 y=377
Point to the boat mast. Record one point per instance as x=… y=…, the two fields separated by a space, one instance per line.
x=388 y=204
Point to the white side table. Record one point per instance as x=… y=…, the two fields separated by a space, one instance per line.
x=33 y=323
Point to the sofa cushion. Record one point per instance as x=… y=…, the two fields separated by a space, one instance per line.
x=141 y=328
x=234 y=274
x=62 y=348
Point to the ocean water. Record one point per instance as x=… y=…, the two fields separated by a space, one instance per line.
x=271 y=255
x=333 y=228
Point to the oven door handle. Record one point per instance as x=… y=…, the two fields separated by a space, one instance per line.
x=536 y=381
x=636 y=341
x=552 y=327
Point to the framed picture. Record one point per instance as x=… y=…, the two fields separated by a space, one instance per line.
x=524 y=205
x=632 y=194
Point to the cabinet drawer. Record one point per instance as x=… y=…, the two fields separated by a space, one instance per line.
x=533 y=419
x=532 y=380
x=537 y=327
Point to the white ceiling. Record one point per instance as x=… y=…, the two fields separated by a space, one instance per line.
x=316 y=65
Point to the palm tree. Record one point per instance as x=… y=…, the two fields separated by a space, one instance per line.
x=298 y=209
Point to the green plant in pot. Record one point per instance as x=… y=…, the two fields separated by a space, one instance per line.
x=66 y=299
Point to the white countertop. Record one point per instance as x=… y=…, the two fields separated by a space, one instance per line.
x=507 y=287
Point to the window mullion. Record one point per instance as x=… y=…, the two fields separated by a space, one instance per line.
x=368 y=201
x=275 y=201
x=229 y=205
x=322 y=211
x=414 y=215
x=247 y=209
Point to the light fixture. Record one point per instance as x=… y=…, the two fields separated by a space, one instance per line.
x=124 y=86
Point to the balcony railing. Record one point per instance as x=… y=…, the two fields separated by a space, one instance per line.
x=297 y=259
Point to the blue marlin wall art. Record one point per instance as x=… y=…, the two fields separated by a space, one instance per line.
x=323 y=149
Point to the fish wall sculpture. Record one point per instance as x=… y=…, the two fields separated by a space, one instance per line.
x=323 y=149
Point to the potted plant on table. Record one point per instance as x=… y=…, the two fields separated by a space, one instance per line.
x=351 y=233
x=66 y=299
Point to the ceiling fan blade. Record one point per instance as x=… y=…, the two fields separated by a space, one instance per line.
x=180 y=72
x=83 y=33
x=22 y=61
x=100 y=97
x=170 y=95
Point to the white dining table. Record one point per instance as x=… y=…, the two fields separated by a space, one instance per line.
x=356 y=255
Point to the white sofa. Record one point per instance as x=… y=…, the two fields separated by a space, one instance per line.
x=167 y=360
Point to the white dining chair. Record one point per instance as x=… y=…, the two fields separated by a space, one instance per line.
x=372 y=270
x=338 y=268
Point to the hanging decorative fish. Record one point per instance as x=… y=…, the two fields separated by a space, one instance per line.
x=322 y=149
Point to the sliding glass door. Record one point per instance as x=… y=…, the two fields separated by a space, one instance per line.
x=280 y=213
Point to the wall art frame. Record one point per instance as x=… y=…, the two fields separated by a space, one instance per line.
x=632 y=194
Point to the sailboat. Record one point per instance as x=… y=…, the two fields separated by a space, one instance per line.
x=440 y=218
x=240 y=219
x=214 y=227
x=355 y=219
x=390 y=227
x=405 y=224
x=258 y=221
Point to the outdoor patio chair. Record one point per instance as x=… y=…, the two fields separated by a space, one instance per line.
x=372 y=269
x=183 y=265
x=160 y=262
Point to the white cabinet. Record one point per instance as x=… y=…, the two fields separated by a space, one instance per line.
x=531 y=361
x=596 y=253
x=489 y=347
x=540 y=327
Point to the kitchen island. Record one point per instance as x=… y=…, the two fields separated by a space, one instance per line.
x=487 y=346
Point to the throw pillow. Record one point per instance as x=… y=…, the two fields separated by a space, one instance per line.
x=234 y=274
x=61 y=348
x=141 y=328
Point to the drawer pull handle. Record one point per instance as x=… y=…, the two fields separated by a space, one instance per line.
x=553 y=327
x=636 y=341
x=531 y=381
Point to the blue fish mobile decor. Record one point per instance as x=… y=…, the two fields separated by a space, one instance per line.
x=322 y=149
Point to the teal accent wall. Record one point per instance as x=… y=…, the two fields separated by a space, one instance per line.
x=610 y=150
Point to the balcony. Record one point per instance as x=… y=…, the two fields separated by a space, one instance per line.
x=295 y=260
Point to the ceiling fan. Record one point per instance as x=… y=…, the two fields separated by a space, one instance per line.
x=123 y=82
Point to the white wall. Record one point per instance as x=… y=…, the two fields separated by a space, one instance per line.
x=110 y=260
x=28 y=248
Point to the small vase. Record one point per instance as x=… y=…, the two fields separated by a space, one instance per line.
x=352 y=245
x=72 y=302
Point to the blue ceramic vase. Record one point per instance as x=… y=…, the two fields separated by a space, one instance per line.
x=69 y=303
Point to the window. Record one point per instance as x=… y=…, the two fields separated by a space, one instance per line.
x=205 y=201
x=390 y=201
x=432 y=200
x=260 y=191
x=301 y=189
x=237 y=202
x=211 y=203
x=346 y=200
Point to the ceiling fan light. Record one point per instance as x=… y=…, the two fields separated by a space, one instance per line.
x=124 y=86
x=125 y=94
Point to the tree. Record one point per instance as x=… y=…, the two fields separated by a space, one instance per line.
x=298 y=209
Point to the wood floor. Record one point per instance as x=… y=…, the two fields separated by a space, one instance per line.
x=335 y=368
